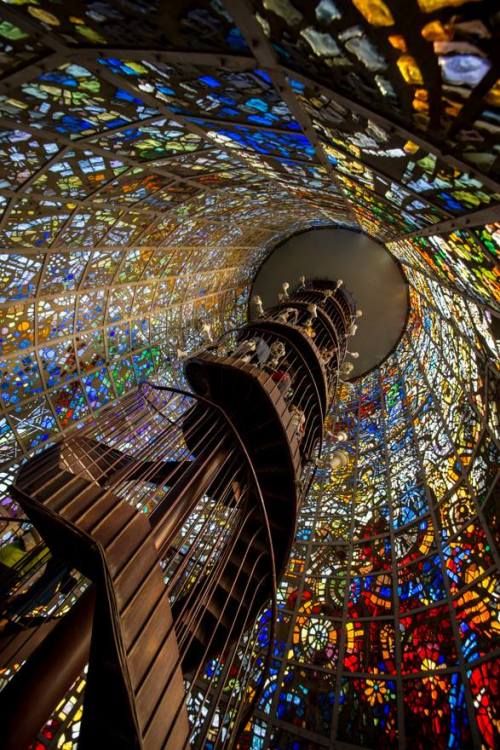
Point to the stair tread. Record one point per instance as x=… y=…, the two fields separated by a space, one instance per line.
x=156 y=681
x=142 y=652
x=135 y=617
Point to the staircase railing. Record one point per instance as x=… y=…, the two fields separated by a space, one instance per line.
x=235 y=684
x=145 y=450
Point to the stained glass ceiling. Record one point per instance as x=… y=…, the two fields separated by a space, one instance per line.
x=151 y=154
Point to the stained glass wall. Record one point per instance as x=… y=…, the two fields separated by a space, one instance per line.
x=388 y=626
x=140 y=186
x=150 y=157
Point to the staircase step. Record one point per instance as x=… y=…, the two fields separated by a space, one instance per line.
x=156 y=682
x=112 y=522
x=234 y=564
x=136 y=647
x=257 y=544
x=60 y=490
x=177 y=731
x=137 y=612
x=143 y=651
x=222 y=607
x=124 y=543
x=134 y=573
x=234 y=582
x=91 y=503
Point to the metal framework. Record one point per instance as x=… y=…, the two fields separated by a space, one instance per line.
x=375 y=116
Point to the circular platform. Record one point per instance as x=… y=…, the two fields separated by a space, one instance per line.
x=369 y=271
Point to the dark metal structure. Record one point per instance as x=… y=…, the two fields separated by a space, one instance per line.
x=180 y=509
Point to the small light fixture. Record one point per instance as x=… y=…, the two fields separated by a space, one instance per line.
x=346 y=368
x=206 y=329
x=339 y=459
x=259 y=308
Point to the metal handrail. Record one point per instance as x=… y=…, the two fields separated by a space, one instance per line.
x=265 y=519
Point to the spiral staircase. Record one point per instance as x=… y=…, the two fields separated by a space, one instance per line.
x=180 y=510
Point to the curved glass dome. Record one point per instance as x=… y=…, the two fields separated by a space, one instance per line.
x=151 y=158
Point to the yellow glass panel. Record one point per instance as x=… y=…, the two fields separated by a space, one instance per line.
x=452 y=108
x=90 y=34
x=409 y=69
x=398 y=42
x=43 y=15
x=410 y=147
x=376 y=12
x=429 y=6
x=493 y=95
x=421 y=100
x=436 y=32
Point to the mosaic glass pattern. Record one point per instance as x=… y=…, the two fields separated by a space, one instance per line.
x=389 y=592
x=140 y=189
